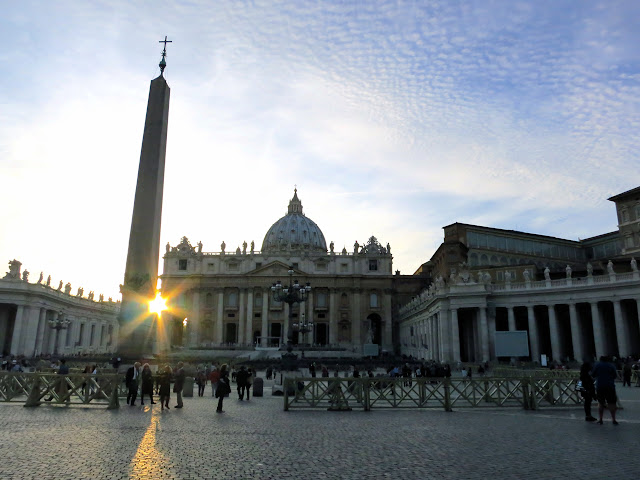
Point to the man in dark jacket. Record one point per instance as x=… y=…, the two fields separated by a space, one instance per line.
x=605 y=374
x=132 y=380
x=179 y=384
x=241 y=381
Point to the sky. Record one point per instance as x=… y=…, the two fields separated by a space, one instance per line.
x=393 y=118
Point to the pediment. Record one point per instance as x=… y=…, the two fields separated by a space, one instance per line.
x=276 y=269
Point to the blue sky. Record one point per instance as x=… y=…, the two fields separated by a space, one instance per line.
x=394 y=118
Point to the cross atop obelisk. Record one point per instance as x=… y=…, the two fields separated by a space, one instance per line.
x=163 y=63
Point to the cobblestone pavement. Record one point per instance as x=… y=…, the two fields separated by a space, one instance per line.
x=257 y=439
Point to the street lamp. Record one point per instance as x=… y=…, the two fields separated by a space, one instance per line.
x=60 y=323
x=303 y=326
x=290 y=294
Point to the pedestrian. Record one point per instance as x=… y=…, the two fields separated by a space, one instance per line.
x=201 y=380
x=626 y=374
x=605 y=374
x=325 y=371
x=587 y=391
x=179 y=384
x=132 y=379
x=241 y=381
x=164 y=382
x=214 y=377
x=249 y=382
x=224 y=387
x=312 y=370
x=60 y=384
x=269 y=372
x=146 y=387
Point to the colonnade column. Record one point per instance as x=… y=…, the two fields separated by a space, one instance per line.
x=556 y=352
x=249 y=330
x=31 y=331
x=333 y=319
x=42 y=320
x=491 y=323
x=533 y=333
x=443 y=332
x=387 y=340
x=219 y=338
x=484 y=334
x=512 y=319
x=455 y=336
x=17 y=330
x=622 y=333
x=576 y=337
x=265 y=317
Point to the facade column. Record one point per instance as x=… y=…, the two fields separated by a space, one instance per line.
x=285 y=330
x=598 y=333
x=484 y=334
x=53 y=334
x=491 y=323
x=443 y=333
x=333 y=317
x=31 y=331
x=512 y=319
x=356 y=321
x=194 y=321
x=265 y=317
x=533 y=334
x=242 y=310
x=455 y=336
x=576 y=335
x=310 y=318
x=387 y=341
x=621 y=330
x=556 y=350
x=249 y=330
x=219 y=329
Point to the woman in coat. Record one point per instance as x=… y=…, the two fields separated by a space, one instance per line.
x=224 y=386
x=147 y=384
x=165 y=386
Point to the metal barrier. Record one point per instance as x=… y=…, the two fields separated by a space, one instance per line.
x=71 y=389
x=341 y=394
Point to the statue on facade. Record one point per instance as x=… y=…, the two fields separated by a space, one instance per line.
x=610 y=268
x=331 y=246
x=589 y=269
x=439 y=282
x=388 y=248
x=486 y=277
x=41 y=277
x=244 y=247
x=344 y=250
x=634 y=264
x=80 y=292
x=507 y=276
x=223 y=246
x=67 y=288
x=199 y=247
x=49 y=281
x=568 y=270
x=60 y=286
x=25 y=276
x=14 y=270
x=110 y=300
x=547 y=273
x=526 y=275
x=253 y=246
x=101 y=297
x=369 y=338
x=168 y=247
x=356 y=247
x=90 y=296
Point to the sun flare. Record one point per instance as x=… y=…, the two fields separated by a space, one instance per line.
x=157 y=305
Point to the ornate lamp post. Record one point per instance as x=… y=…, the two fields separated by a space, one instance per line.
x=60 y=323
x=303 y=327
x=290 y=294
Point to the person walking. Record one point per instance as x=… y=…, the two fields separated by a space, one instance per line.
x=147 y=384
x=201 y=380
x=132 y=379
x=249 y=382
x=224 y=387
x=179 y=384
x=241 y=381
x=588 y=391
x=164 y=382
x=626 y=373
x=605 y=374
x=214 y=377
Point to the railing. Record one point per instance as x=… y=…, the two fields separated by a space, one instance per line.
x=74 y=388
x=341 y=394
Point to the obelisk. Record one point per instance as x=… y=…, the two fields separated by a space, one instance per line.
x=141 y=272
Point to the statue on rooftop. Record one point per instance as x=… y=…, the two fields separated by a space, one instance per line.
x=199 y=247
x=67 y=288
x=253 y=246
x=244 y=247
x=568 y=270
x=223 y=246
x=25 y=276
x=49 y=281
x=547 y=273
x=41 y=277
x=610 y=268
x=60 y=286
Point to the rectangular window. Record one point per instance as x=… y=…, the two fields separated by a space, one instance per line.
x=295 y=266
x=257 y=315
x=321 y=315
x=182 y=264
x=232 y=299
x=321 y=267
x=231 y=315
x=344 y=268
x=373 y=300
x=257 y=299
x=321 y=299
x=211 y=266
x=233 y=267
x=258 y=265
x=373 y=265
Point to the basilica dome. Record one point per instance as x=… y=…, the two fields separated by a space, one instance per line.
x=294 y=231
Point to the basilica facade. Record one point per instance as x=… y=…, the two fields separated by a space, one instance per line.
x=225 y=298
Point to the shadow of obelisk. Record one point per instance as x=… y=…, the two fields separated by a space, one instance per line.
x=141 y=273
